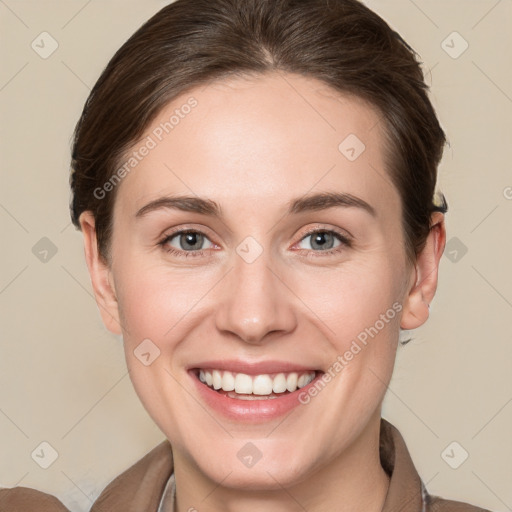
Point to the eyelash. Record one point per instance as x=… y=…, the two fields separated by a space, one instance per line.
x=345 y=242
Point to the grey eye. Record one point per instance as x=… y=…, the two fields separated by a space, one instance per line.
x=321 y=240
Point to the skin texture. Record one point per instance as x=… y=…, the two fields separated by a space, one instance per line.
x=252 y=145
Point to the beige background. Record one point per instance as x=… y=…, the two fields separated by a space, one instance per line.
x=62 y=375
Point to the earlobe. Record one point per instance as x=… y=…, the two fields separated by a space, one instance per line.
x=422 y=291
x=101 y=275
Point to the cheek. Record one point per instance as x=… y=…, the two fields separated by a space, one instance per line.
x=356 y=298
x=157 y=308
x=155 y=302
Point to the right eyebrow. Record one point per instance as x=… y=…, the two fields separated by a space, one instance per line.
x=184 y=203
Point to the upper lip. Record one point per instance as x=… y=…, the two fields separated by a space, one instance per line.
x=252 y=367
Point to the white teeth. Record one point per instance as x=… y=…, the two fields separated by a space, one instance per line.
x=291 y=382
x=258 y=385
x=243 y=383
x=217 y=379
x=228 y=382
x=279 y=384
x=302 y=381
x=262 y=385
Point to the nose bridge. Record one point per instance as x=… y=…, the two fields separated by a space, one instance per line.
x=254 y=300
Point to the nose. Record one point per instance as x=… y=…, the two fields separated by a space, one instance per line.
x=255 y=304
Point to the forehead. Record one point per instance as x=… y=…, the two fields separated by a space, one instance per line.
x=260 y=140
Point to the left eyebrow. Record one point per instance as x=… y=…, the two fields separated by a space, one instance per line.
x=314 y=202
x=325 y=200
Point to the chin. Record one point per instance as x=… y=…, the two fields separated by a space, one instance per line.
x=241 y=464
x=261 y=477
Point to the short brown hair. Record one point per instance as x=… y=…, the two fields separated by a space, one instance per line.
x=193 y=42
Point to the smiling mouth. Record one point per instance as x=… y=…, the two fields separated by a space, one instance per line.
x=264 y=386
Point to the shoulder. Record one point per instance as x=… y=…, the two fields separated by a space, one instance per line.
x=437 y=504
x=25 y=499
x=406 y=486
x=140 y=484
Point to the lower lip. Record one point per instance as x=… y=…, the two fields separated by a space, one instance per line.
x=250 y=410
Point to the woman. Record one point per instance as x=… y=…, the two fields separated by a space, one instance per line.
x=255 y=184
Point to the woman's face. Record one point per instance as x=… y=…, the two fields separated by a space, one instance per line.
x=294 y=268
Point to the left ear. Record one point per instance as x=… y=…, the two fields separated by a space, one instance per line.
x=417 y=303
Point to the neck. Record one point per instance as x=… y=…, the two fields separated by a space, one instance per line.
x=354 y=481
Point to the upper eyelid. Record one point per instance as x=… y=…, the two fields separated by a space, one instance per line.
x=179 y=231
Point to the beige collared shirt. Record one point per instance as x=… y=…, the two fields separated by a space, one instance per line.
x=149 y=486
